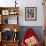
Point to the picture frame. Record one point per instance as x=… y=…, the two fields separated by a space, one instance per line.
x=30 y=13
x=5 y=12
x=13 y=12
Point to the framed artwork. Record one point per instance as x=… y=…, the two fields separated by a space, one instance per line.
x=31 y=13
x=5 y=12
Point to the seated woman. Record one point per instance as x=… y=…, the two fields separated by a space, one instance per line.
x=30 y=38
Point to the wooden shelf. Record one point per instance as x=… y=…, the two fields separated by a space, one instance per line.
x=9 y=9
x=11 y=26
x=4 y=13
x=10 y=43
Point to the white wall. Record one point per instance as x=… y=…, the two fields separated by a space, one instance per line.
x=26 y=3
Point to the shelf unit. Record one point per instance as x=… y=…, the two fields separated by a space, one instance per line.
x=8 y=11
x=5 y=13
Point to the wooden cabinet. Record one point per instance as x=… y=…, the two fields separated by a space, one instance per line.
x=10 y=43
x=7 y=26
x=44 y=12
x=6 y=12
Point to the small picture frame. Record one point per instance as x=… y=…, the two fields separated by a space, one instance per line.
x=5 y=12
x=30 y=13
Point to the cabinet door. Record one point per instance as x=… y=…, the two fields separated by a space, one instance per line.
x=0 y=43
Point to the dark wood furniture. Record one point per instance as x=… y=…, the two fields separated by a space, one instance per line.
x=0 y=43
x=10 y=43
x=4 y=13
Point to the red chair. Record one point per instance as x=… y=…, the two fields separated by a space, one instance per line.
x=29 y=33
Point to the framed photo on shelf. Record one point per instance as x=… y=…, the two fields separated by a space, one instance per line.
x=30 y=13
x=5 y=12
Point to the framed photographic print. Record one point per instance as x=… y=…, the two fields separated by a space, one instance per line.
x=31 y=13
x=5 y=12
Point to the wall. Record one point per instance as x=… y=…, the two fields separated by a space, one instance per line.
x=37 y=25
x=26 y=3
x=32 y=3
